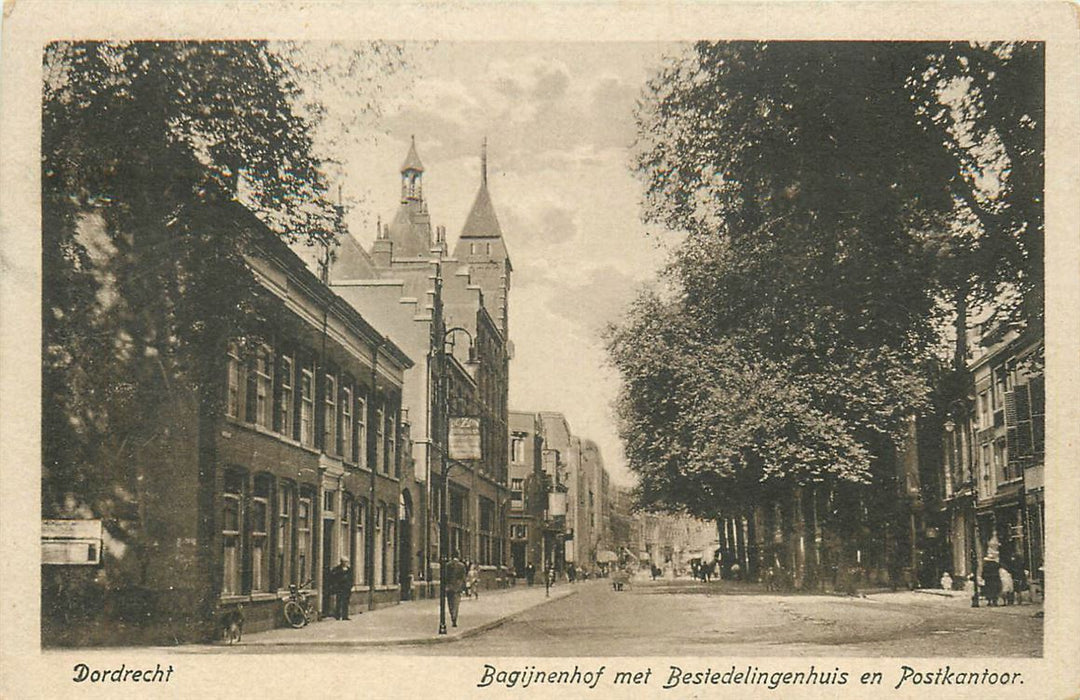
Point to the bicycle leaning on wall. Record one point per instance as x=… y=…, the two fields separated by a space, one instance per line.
x=299 y=606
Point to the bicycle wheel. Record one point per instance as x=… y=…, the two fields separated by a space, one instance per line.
x=295 y=614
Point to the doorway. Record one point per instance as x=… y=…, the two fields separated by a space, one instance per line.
x=327 y=564
x=405 y=545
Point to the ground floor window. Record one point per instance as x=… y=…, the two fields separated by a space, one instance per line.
x=232 y=560
x=284 y=540
x=305 y=541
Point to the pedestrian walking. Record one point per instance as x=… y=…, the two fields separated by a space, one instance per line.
x=472 y=580
x=1008 y=591
x=455 y=585
x=340 y=585
x=549 y=580
x=530 y=573
x=991 y=580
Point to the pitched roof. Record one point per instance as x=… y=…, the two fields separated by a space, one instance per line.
x=482 y=222
x=412 y=161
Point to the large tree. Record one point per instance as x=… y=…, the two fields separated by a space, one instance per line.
x=142 y=282
x=805 y=187
x=834 y=198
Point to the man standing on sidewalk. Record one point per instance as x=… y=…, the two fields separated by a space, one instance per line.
x=455 y=584
x=341 y=583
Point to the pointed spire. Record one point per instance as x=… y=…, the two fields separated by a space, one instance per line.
x=482 y=221
x=483 y=163
x=412 y=160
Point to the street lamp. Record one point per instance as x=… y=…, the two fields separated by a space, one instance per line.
x=447 y=462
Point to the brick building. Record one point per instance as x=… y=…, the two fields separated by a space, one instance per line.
x=303 y=463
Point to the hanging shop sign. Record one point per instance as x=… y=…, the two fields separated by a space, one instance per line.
x=465 y=439
x=71 y=542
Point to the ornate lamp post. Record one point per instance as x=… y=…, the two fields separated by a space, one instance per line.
x=447 y=463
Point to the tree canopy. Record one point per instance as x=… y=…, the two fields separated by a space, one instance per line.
x=814 y=183
x=142 y=281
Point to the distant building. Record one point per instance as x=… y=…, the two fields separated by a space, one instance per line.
x=993 y=461
x=528 y=492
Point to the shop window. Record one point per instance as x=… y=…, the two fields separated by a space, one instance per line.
x=286 y=493
x=307 y=408
x=260 y=534
x=285 y=401
x=232 y=501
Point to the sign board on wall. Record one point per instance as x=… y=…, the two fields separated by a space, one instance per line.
x=556 y=503
x=71 y=542
x=465 y=439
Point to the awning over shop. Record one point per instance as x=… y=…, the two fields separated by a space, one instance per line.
x=606 y=556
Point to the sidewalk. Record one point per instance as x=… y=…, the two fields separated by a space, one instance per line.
x=413 y=622
x=958 y=599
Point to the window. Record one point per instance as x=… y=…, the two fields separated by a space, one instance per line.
x=520 y=532
x=391 y=441
x=330 y=415
x=304 y=543
x=307 y=408
x=380 y=544
x=517 y=487
x=361 y=431
x=517 y=449
x=328 y=502
x=284 y=536
x=234 y=378
x=232 y=498
x=380 y=437
x=347 y=424
x=285 y=401
x=360 y=563
x=487 y=524
x=345 y=543
x=260 y=535
x=985 y=465
x=264 y=388
x=984 y=410
x=1001 y=469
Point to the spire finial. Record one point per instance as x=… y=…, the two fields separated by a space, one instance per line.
x=483 y=163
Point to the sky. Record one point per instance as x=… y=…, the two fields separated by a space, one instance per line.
x=559 y=123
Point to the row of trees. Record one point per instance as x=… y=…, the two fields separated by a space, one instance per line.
x=142 y=285
x=843 y=207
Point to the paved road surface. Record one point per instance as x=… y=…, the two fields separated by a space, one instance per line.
x=723 y=619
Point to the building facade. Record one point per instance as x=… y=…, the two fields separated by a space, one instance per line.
x=993 y=459
x=451 y=312
x=300 y=464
